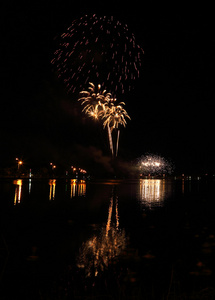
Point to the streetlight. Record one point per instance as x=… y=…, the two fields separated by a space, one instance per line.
x=19 y=162
x=53 y=166
x=75 y=171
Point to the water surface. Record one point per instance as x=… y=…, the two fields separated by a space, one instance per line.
x=149 y=238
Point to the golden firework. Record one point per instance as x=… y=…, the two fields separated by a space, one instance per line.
x=94 y=100
x=100 y=104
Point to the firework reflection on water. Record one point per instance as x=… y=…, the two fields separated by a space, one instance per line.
x=98 y=252
x=154 y=192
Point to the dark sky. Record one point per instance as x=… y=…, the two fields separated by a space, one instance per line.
x=171 y=106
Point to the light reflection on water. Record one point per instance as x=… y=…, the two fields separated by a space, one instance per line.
x=152 y=235
x=18 y=191
x=78 y=188
x=101 y=249
x=153 y=192
x=29 y=186
x=52 y=184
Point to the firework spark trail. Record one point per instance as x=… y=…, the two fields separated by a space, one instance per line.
x=107 y=51
x=110 y=140
x=99 y=104
x=115 y=116
x=117 y=142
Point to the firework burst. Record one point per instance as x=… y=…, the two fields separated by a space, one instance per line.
x=115 y=116
x=154 y=165
x=96 y=49
x=99 y=104
x=94 y=100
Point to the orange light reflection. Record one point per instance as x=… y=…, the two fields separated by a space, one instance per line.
x=52 y=184
x=100 y=250
x=18 y=191
x=77 y=188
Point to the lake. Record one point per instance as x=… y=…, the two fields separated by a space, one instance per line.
x=110 y=239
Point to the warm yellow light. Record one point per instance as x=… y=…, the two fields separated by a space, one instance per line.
x=18 y=190
x=20 y=162
x=152 y=191
x=52 y=183
x=17 y=182
x=97 y=252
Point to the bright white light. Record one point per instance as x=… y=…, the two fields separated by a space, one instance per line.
x=153 y=164
x=152 y=192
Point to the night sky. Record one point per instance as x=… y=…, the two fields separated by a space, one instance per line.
x=171 y=106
